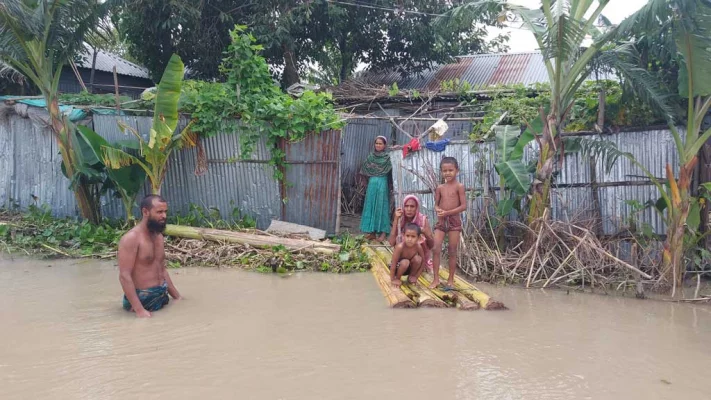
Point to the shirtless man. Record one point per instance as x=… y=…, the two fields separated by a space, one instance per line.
x=141 y=258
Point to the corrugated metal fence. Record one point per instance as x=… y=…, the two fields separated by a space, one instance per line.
x=31 y=174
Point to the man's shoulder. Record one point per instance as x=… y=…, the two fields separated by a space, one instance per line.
x=131 y=236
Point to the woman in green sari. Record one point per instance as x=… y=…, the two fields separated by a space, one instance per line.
x=376 y=211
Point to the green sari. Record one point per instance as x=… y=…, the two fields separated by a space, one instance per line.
x=376 y=211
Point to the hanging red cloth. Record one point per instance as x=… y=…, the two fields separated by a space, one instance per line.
x=412 y=145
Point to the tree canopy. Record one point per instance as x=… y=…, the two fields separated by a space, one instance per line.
x=298 y=34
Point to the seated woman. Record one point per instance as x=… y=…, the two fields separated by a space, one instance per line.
x=410 y=213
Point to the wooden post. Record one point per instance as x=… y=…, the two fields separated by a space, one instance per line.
x=399 y=195
x=116 y=90
x=597 y=210
x=639 y=288
x=77 y=74
x=93 y=69
x=340 y=185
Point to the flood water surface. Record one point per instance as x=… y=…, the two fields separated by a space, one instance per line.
x=64 y=335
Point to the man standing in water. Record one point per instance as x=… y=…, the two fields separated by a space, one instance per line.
x=141 y=258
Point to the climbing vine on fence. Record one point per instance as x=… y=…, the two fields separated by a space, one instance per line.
x=250 y=100
x=522 y=103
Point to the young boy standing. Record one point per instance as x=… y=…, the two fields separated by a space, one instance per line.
x=450 y=202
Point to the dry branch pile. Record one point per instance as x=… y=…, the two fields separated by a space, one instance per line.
x=193 y=252
x=563 y=255
x=364 y=89
x=261 y=252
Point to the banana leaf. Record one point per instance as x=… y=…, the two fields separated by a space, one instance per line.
x=515 y=175
x=506 y=138
x=168 y=94
x=128 y=180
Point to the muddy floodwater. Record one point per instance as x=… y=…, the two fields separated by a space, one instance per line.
x=240 y=335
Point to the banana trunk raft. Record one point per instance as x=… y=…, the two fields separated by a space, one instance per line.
x=465 y=296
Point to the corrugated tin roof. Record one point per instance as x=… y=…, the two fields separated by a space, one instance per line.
x=105 y=61
x=480 y=70
x=483 y=70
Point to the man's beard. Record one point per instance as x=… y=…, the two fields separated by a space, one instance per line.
x=156 y=226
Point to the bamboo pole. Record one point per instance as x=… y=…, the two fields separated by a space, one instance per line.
x=258 y=241
x=396 y=298
x=473 y=293
x=465 y=304
x=425 y=298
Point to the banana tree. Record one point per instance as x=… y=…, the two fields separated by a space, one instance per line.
x=514 y=176
x=689 y=23
x=36 y=39
x=126 y=181
x=570 y=43
x=162 y=140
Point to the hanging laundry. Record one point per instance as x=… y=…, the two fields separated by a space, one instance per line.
x=438 y=146
x=412 y=145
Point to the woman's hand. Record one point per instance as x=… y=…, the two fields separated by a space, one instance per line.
x=398 y=214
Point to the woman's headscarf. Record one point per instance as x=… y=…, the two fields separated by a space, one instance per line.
x=419 y=218
x=378 y=162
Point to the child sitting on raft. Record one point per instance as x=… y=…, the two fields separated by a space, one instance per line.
x=407 y=257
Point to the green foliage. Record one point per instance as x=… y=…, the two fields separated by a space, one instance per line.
x=194 y=30
x=211 y=218
x=509 y=155
x=86 y=98
x=522 y=104
x=394 y=90
x=297 y=34
x=456 y=86
x=38 y=232
x=251 y=94
x=280 y=260
x=213 y=106
x=125 y=182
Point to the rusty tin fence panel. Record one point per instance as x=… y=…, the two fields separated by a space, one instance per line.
x=31 y=171
x=312 y=192
x=31 y=175
x=245 y=187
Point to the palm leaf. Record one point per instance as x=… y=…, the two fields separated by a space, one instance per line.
x=625 y=59
x=654 y=16
x=603 y=150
